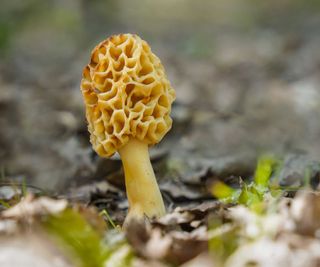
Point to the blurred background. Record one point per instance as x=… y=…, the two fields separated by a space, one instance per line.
x=246 y=75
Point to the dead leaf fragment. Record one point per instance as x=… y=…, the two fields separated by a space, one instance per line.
x=305 y=211
x=267 y=252
x=175 y=246
x=176 y=217
x=203 y=260
x=31 y=249
x=30 y=207
x=137 y=262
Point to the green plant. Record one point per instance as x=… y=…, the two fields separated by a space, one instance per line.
x=75 y=233
x=254 y=194
x=106 y=215
x=87 y=246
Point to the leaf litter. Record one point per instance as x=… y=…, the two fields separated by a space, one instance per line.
x=236 y=226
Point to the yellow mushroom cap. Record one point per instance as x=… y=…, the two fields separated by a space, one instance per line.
x=126 y=93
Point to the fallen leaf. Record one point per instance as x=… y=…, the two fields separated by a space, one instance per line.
x=137 y=262
x=31 y=249
x=180 y=191
x=305 y=211
x=174 y=246
x=30 y=207
x=176 y=217
x=267 y=252
x=203 y=260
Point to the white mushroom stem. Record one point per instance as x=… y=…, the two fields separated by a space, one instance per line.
x=142 y=189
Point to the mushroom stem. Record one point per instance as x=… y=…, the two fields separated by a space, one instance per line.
x=142 y=189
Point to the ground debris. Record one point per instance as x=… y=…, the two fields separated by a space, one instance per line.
x=305 y=211
x=209 y=234
x=289 y=234
x=299 y=170
x=31 y=249
x=259 y=253
x=30 y=207
x=177 y=237
x=174 y=246
x=138 y=262
x=203 y=260
x=181 y=192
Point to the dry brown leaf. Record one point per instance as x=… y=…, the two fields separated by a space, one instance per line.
x=31 y=249
x=180 y=191
x=31 y=206
x=188 y=218
x=305 y=211
x=137 y=262
x=175 y=246
x=8 y=226
x=203 y=260
x=267 y=252
x=176 y=217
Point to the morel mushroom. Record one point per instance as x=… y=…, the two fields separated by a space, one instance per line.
x=128 y=102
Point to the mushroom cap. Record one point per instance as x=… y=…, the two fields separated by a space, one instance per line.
x=126 y=94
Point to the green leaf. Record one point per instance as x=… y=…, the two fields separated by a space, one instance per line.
x=5 y=204
x=223 y=239
x=79 y=236
x=224 y=192
x=264 y=170
x=107 y=216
